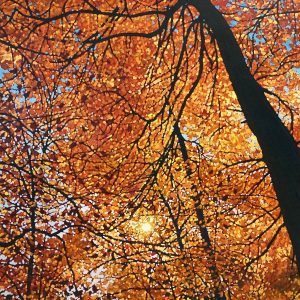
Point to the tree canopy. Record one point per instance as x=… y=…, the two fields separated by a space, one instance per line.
x=149 y=149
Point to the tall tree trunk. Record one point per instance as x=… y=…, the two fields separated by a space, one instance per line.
x=280 y=151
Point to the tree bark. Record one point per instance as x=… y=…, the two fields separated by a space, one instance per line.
x=280 y=151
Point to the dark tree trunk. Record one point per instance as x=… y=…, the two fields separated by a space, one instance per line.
x=280 y=151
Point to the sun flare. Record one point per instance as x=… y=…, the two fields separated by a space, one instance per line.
x=146 y=227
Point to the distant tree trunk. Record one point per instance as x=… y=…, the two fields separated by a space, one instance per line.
x=280 y=151
x=201 y=223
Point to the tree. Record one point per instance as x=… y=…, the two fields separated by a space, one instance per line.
x=127 y=167
x=279 y=149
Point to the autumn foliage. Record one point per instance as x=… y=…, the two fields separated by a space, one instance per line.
x=128 y=170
